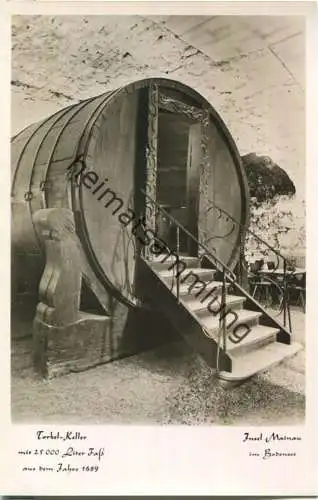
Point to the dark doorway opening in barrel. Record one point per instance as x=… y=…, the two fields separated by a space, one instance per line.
x=179 y=156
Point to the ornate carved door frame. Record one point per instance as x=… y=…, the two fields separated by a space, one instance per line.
x=157 y=100
x=152 y=156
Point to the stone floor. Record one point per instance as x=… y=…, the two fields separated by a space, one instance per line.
x=168 y=385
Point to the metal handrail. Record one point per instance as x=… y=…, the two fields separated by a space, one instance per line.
x=226 y=273
x=202 y=245
x=248 y=230
x=285 y=302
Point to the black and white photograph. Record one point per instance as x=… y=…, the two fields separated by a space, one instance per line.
x=158 y=219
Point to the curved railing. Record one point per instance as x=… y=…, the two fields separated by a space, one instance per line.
x=221 y=266
x=287 y=273
x=227 y=275
x=249 y=231
x=226 y=272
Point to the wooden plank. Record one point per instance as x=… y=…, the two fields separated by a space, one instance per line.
x=109 y=243
x=193 y=183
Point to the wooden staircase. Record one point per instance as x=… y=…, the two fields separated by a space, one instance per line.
x=254 y=340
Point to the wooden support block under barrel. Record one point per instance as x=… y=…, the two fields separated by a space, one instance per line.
x=65 y=338
x=69 y=348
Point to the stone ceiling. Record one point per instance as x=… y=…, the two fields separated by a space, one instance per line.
x=251 y=69
x=225 y=38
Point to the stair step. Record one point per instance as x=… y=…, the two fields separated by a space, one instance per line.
x=244 y=316
x=258 y=361
x=202 y=274
x=257 y=337
x=164 y=262
x=198 y=290
x=232 y=302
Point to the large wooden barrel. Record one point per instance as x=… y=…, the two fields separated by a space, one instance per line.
x=146 y=130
